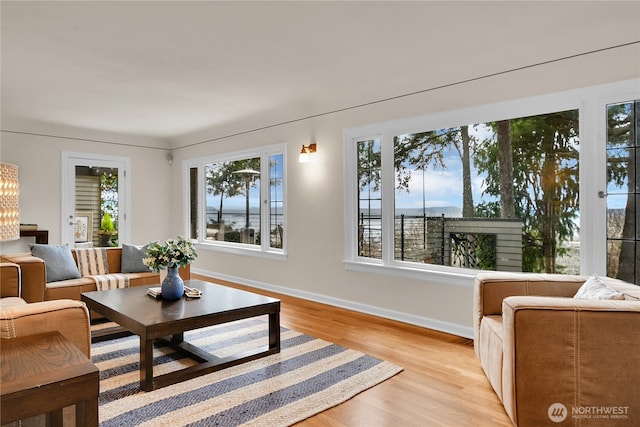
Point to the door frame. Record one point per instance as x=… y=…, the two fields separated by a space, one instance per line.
x=71 y=159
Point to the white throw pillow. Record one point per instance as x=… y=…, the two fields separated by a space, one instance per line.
x=594 y=288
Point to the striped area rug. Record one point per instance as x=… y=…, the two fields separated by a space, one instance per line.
x=308 y=376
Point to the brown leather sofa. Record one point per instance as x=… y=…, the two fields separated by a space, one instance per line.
x=553 y=358
x=35 y=287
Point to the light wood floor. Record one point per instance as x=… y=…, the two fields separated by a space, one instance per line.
x=442 y=383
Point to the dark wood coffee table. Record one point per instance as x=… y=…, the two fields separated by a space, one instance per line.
x=153 y=319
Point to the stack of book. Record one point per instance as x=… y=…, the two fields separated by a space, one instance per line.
x=156 y=292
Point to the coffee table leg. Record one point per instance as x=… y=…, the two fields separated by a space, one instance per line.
x=146 y=364
x=177 y=338
x=274 y=331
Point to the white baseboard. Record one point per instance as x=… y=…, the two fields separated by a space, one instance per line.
x=425 y=322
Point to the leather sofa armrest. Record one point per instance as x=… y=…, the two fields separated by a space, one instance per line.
x=69 y=317
x=9 y=280
x=510 y=305
x=491 y=288
x=33 y=275
x=567 y=350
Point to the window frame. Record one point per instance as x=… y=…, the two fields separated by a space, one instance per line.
x=264 y=249
x=628 y=192
x=591 y=103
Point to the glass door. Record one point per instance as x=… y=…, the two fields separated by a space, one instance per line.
x=94 y=209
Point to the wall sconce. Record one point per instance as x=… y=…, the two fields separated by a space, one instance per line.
x=9 y=208
x=307 y=153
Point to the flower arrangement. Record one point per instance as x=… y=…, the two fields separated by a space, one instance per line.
x=173 y=253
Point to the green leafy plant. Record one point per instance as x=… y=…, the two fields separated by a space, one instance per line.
x=172 y=253
x=106 y=225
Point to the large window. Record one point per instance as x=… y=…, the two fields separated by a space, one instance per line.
x=490 y=196
x=238 y=200
x=505 y=187
x=623 y=191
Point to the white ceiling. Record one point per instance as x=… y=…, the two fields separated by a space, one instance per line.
x=168 y=69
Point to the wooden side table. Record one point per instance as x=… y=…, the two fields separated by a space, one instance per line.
x=42 y=236
x=44 y=373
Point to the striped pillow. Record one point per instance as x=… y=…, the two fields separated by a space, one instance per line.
x=92 y=261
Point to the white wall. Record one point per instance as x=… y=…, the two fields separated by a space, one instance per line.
x=314 y=267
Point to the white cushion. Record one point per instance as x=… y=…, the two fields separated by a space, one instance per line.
x=594 y=288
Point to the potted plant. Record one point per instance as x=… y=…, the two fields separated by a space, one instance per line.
x=107 y=230
x=172 y=254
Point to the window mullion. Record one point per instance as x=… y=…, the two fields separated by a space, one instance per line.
x=593 y=179
x=265 y=202
x=202 y=206
x=388 y=179
x=351 y=198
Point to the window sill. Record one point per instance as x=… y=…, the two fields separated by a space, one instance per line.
x=242 y=250
x=426 y=274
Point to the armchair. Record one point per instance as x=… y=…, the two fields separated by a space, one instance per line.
x=550 y=356
x=19 y=318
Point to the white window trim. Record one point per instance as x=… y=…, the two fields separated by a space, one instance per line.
x=263 y=250
x=590 y=101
